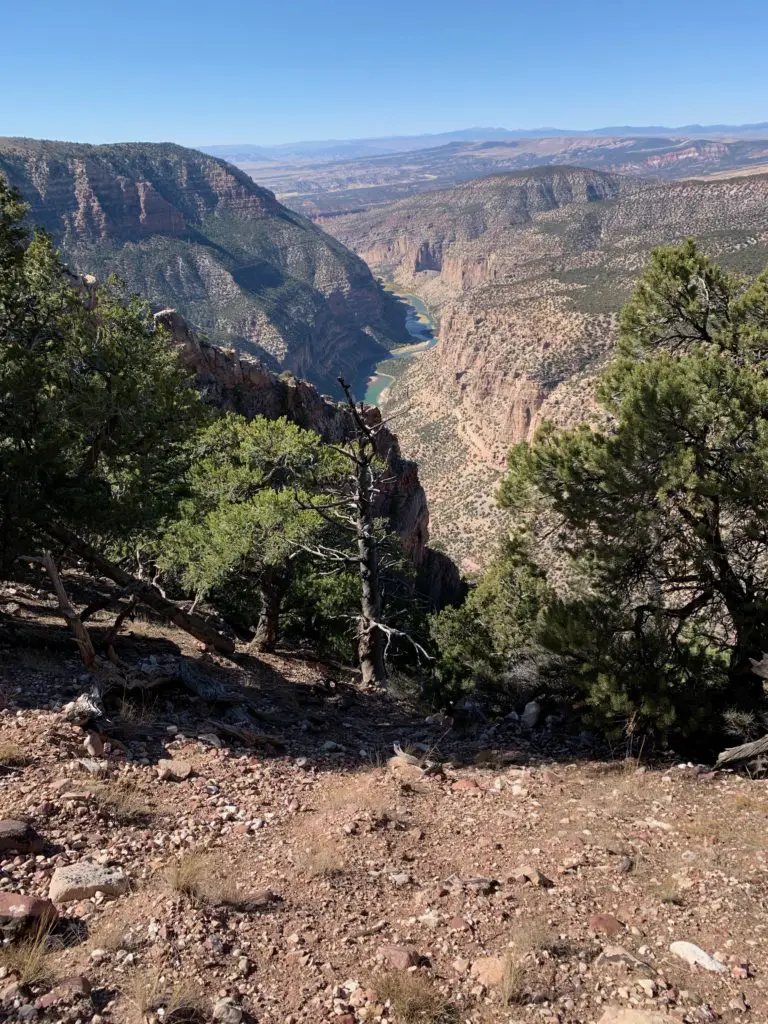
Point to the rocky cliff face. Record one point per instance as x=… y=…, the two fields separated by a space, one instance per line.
x=527 y=273
x=191 y=231
x=251 y=389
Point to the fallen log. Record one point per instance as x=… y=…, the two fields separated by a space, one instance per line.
x=148 y=594
x=742 y=754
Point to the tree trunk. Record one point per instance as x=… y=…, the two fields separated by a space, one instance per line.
x=146 y=593
x=370 y=638
x=271 y=587
x=70 y=616
x=746 y=688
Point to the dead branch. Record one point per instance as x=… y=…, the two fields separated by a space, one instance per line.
x=742 y=754
x=67 y=609
x=146 y=592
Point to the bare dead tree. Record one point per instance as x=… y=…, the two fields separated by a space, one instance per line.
x=350 y=509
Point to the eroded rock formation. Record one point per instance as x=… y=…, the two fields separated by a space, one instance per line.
x=248 y=387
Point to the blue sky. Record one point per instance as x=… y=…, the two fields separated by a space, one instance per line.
x=217 y=71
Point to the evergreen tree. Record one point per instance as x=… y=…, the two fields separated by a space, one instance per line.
x=241 y=527
x=95 y=410
x=665 y=510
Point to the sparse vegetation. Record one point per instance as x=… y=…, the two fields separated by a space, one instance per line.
x=29 y=958
x=414 y=998
x=200 y=876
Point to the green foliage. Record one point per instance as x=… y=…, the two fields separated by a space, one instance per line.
x=241 y=514
x=94 y=408
x=494 y=628
x=663 y=514
x=239 y=534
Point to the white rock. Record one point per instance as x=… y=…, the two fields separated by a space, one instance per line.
x=531 y=714
x=695 y=955
x=83 y=880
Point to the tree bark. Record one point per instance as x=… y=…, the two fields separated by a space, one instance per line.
x=67 y=609
x=146 y=593
x=271 y=587
x=370 y=639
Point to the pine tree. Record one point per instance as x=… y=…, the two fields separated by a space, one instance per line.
x=666 y=509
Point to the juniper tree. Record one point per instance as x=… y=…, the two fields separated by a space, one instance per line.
x=94 y=407
x=666 y=508
x=241 y=527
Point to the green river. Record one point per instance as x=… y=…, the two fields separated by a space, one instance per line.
x=422 y=328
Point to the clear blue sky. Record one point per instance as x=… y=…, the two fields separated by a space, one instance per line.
x=217 y=71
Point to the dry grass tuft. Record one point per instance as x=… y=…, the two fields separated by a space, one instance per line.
x=144 y=713
x=28 y=958
x=12 y=755
x=530 y=938
x=123 y=799
x=193 y=875
x=413 y=998
x=321 y=859
x=149 y=991
x=108 y=934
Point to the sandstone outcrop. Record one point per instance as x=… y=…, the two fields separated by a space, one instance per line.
x=527 y=273
x=242 y=385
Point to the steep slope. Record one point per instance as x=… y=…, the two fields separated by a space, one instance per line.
x=192 y=231
x=527 y=272
x=249 y=388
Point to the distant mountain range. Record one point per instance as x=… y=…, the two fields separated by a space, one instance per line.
x=350 y=149
x=189 y=231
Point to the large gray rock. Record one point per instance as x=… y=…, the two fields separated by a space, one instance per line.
x=80 y=881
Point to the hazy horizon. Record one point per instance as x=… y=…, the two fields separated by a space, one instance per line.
x=341 y=71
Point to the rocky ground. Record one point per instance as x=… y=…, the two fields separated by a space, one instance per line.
x=298 y=872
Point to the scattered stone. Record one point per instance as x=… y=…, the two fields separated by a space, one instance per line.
x=227 y=1011
x=83 y=880
x=466 y=786
x=21 y=913
x=19 y=837
x=624 y=1015
x=488 y=970
x=695 y=955
x=173 y=770
x=69 y=990
x=400 y=957
x=92 y=766
x=534 y=876
x=606 y=924
x=400 y=878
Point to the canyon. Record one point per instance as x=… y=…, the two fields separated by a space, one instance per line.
x=526 y=273
x=188 y=230
x=243 y=385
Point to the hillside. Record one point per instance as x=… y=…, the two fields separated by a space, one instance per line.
x=193 y=232
x=321 y=187
x=267 y=861
x=527 y=272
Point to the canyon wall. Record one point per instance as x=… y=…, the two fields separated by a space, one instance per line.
x=193 y=232
x=527 y=273
x=243 y=385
